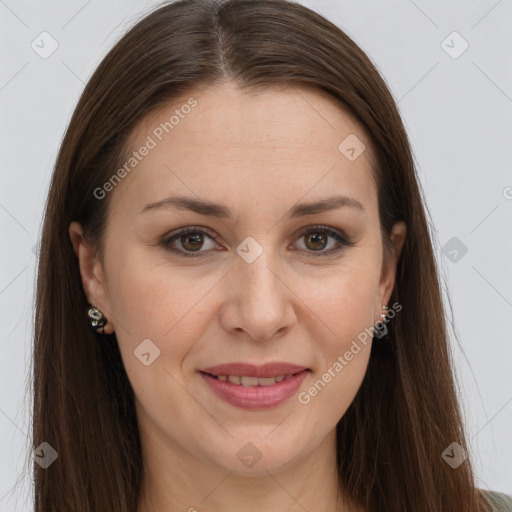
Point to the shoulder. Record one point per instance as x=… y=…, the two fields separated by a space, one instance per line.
x=501 y=502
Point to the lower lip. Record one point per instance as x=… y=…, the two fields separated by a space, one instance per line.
x=255 y=397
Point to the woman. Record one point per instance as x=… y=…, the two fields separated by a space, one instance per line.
x=235 y=212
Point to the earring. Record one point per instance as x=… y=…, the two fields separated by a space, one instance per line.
x=381 y=329
x=97 y=320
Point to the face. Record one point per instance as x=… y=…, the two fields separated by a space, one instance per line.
x=243 y=270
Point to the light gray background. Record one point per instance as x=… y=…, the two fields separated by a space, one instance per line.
x=458 y=113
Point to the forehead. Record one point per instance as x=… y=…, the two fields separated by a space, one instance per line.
x=227 y=142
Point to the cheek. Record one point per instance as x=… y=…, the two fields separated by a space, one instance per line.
x=344 y=301
x=342 y=379
x=155 y=312
x=155 y=299
x=345 y=304
x=344 y=362
x=157 y=303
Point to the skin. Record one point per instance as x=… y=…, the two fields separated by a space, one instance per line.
x=259 y=155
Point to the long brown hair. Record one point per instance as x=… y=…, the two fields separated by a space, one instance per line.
x=406 y=412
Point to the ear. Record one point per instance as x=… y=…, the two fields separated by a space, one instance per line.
x=387 y=281
x=92 y=273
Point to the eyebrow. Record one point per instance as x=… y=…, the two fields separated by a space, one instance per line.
x=205 y=207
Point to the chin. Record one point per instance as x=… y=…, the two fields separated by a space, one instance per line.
x=252 y=454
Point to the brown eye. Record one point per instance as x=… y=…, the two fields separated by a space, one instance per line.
x=316 y=241
x=189 y=242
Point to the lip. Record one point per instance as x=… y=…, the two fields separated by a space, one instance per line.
x=249 y=370
x=256 y=397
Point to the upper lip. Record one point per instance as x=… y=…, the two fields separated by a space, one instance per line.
x=249 y=370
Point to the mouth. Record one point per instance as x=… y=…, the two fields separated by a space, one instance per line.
x=247 y=381
x=268 y=370
x=251 y=387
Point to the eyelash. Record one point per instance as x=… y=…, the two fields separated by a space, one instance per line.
x=344 y=242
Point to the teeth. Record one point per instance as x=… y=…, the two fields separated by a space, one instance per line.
x=268 y=381
x=251 y=381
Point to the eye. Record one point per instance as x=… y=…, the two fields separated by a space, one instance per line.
x=316 y=239
x=190 y=239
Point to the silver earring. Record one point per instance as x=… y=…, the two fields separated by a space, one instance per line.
x=381 y=329
x=97 y=320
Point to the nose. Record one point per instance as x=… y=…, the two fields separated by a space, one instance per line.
x=260 y=302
